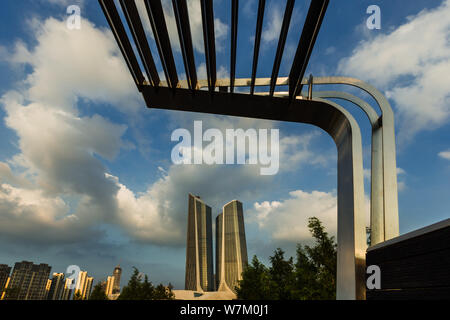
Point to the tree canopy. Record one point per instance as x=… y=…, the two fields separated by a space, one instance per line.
x=98 y=293
x=138 y=289
x=311 y=277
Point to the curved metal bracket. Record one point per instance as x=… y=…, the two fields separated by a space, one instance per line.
x=384 y=220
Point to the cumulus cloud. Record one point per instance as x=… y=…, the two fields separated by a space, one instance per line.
x=275 y=19
x=287 y=220
x=68 y=65
x=411 y=64
x=60 y=149
x=195 y=20
x=58 y=181
x=64 y=3
x=445 y=154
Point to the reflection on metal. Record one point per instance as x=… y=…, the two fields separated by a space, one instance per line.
x=220 y=97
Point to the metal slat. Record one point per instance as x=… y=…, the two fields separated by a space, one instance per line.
x=209 y=40
x=259 y=23
x=184 y=33
x=157 y=21
x=113 y=18
x=234 y=29
x=310 y=31
x=281 y=44
x=134 y=22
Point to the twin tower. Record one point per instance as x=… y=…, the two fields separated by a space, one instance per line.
x=231 y=247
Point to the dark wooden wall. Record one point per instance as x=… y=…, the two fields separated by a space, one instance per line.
x=415 y=268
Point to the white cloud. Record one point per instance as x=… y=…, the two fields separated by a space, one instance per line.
x=273 y=28
x=61 y=150
x=195 y=20
x=445 y=154
x=287 y=220
x=59 y=147
x=64 y=3
x=411 y=64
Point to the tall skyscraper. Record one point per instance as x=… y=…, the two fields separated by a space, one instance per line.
x=231 y=246
x=117 y=274
x=199 y=254
x=57 y=287
x=28 y=281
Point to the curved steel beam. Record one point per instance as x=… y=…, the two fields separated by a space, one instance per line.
x=376 y=181
x=386 y=226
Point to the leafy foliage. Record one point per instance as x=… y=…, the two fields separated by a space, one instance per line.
x=98 y=293
x=144 y=290
x=311 y=277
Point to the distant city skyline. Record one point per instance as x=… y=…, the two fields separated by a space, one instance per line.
x=29 y=281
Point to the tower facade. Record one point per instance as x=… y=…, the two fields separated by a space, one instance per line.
x=29 y=281
x=84 y=285
x=117 y=274
x=231 y=246
x=199 y=255
x=56 y=287
x=109 y=285
x=4 y=275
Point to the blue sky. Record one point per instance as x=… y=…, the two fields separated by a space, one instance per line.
x=86 y=176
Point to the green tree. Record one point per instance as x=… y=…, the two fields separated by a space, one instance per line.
x=138 y=289
x=282 y=276
x=255 y=283
x=323 y=258
x=132 y=291
x=312 y=277
x=98 y=293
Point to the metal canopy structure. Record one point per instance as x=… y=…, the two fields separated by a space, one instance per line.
x=218 y=96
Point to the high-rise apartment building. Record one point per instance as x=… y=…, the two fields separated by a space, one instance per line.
x=83 y=285
x=89 y=285
x=3 y=294
x=57 y=287
x=117 y=274
x=5 y=270
x=67 y=291
x=47 y=289
x=231 y=246
x=109 y=285
x=199 y=254
x=28 y=281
